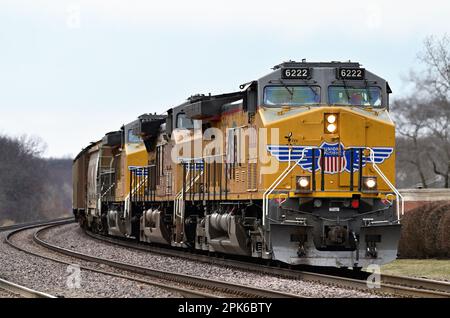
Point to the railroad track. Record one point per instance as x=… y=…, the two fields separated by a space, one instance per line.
x=22 y=291
x=182 y=291
x=396 y=285
x=193 y=282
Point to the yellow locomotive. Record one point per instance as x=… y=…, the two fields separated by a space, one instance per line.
x=297 y=167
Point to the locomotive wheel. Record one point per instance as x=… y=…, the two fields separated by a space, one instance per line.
x=82 y=222
x=100 y=227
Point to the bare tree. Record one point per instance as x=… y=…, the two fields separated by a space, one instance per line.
x=436 y=58
x=424 y=117
x=411 y=125
x=32 y=145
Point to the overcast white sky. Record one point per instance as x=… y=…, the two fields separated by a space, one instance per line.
x=72 y=70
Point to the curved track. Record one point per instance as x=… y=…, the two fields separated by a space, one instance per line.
x=35 y=223
x=182 y=291
x=228 y=289
x=397 y=285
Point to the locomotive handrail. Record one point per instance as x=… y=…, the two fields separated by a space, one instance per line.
x=280 y=178
x=178 y=198
x=399 y=198
x=400 y=205
x=107 y=190
x=199 y=158
x=132 y=168
x=136 y=188
x=178 y=202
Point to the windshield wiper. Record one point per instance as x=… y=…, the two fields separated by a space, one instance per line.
x=368 y=92
x=314 y=91
x=346 y=92
x=310 y=87
x=287 y=88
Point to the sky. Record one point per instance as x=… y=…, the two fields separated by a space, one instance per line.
x=70 y=71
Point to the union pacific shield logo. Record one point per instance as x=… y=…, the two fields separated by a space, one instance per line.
x=336 y=158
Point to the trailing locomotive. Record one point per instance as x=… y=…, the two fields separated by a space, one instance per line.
x=297 y=166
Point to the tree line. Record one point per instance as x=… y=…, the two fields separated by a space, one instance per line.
x=31 y=187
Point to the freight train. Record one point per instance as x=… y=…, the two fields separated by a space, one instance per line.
x=296 y=167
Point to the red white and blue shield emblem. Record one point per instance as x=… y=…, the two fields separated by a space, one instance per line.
x=334 y=160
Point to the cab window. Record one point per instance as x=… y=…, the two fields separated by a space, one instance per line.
x=132 y=138
x=184 y=122
x=291 y=95
x=351 y=96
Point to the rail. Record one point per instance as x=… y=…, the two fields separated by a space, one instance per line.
x=34 y=223
x=22 y=290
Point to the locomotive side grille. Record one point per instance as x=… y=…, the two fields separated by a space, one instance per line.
x=169 y=183
x=251 y=176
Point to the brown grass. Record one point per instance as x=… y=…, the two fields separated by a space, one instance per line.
x=422 y=268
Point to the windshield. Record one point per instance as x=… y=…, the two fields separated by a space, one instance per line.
x=291 y=95
x=341 y=95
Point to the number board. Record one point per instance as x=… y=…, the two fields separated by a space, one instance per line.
x=296 y=73
x=351 y=73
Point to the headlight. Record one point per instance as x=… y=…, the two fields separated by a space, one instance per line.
x=331 y=119
x=331 y=123
x=331 y=128
x=369 y=183
x=303 y=183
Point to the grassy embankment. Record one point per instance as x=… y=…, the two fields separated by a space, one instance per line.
x=422 y=268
